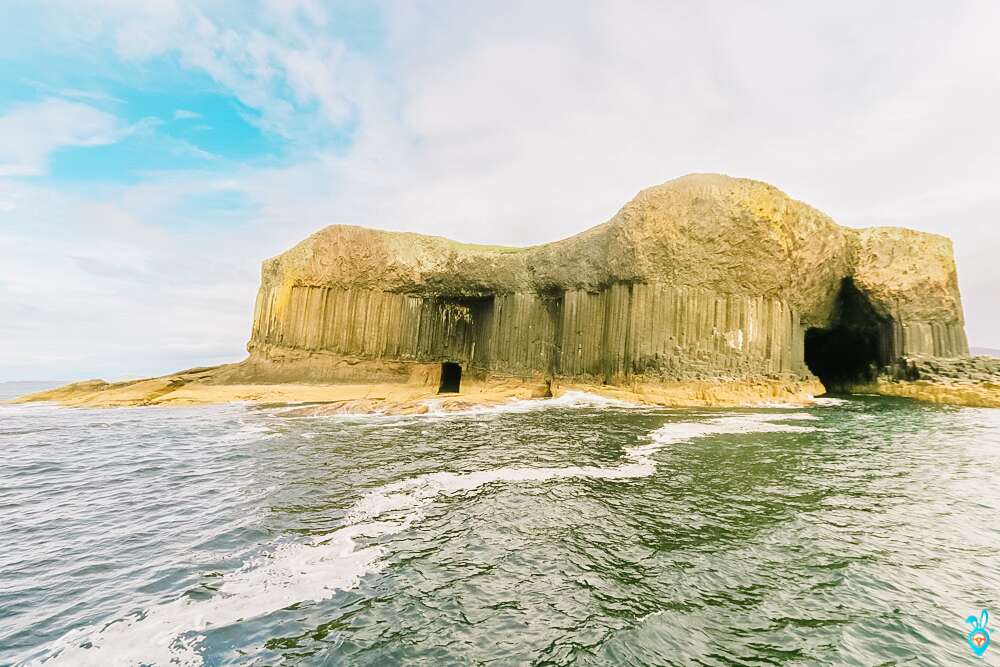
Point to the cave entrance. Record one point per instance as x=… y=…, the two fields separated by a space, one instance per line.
x=451 y=378
x=848 y=352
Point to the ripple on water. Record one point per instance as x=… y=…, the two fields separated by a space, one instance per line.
x=560 y=531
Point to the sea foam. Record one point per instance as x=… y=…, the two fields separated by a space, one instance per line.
x=302 y=572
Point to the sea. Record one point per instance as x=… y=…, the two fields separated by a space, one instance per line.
x=570 y=531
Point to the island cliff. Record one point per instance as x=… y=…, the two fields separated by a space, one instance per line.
x=703 y=290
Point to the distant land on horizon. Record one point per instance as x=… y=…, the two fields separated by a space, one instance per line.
x=17 y=383
x=988 y=351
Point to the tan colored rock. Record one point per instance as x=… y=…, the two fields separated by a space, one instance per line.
x=978 y=394
x=409 y=399
x=704 y=290
x=702 y=277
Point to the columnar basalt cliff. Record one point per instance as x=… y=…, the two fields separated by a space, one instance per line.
x=703 y=290
x=703 y=277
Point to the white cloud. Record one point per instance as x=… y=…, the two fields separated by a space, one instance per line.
x=30 y=133
x=274 y=57
x=530 y=125
x=74 y=93
x=519 y=125
x=90 y=288
x=184 y=114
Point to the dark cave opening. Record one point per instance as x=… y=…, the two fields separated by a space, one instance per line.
x=451 y=378
x=848 y=352
x=841 y=357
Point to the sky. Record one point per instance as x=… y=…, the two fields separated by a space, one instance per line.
x=153 y=153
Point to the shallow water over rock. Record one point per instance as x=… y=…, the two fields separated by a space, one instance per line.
x=573 y=531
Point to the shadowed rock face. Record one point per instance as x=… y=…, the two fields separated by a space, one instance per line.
x=703 y=277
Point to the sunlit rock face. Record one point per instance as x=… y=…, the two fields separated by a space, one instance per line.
x=702 y=277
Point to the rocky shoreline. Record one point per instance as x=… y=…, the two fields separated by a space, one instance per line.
x=201 y=386
x=971 y=381
x=703 y=291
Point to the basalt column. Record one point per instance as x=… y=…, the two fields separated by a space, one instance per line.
x=705 y=277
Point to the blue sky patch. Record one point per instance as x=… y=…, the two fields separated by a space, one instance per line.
x=172 y=118
x=170 y=131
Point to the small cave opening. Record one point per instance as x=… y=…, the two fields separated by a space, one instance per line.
x=848 y=352
x=451 y=378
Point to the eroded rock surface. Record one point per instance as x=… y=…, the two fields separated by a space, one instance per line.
x=972 y=381
x=703 y=277
x=704 y=290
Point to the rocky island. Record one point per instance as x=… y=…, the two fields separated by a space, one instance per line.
x=706 y=290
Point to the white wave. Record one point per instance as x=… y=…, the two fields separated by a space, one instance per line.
x=778 y=405
x=171 y=633
x=168 y=634
x=570 y=399
x=829 y=401
x=580 y=399
x=436 y=409
x=247 y=432
x=412 y=493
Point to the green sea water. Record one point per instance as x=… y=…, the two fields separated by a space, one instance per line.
x=861 y=531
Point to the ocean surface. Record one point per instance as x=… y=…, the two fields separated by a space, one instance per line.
x=861 y=531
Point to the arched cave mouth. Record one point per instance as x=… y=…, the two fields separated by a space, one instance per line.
x=451 y=378
x=849 y=351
